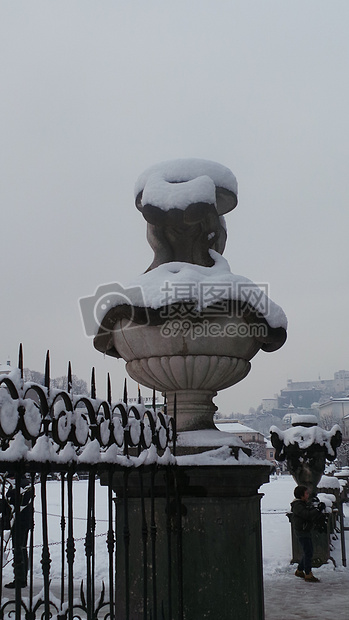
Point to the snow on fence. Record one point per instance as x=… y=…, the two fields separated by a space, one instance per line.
x=75 y=455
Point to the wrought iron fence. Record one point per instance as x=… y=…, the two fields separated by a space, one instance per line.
x=82 y=457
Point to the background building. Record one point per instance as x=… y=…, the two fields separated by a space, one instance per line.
x=335 y=411
x=5 y=369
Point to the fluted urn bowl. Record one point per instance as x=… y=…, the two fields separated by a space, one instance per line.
x=191 y=359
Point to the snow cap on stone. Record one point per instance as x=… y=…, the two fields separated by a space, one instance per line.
x=179 y=183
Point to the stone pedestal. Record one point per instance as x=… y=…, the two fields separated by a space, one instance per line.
x=196 y=409
x=202 y=542
x=321 y=544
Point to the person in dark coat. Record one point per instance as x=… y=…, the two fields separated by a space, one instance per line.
x=305 y=516
x=20 y=529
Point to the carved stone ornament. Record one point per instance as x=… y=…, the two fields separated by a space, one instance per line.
x=306 y=447
x=188 y=325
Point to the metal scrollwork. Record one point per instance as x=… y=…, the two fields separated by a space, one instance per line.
x=31 y=409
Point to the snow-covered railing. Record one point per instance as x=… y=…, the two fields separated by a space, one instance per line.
x=38 y=423
x=53 y=441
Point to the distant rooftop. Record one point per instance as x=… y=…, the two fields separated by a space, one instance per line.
x=5 y=369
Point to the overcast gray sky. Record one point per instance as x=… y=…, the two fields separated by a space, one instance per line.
x=94 y=92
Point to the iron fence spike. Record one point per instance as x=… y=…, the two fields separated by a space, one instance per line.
x=125 y=391
x=47 y=371
x=70 y=379
x=20 y=359
x=93 y=383
x=109 y=397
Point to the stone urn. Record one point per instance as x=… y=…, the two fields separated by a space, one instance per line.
x=188 y=326
x=306 y=447
x=190 y=361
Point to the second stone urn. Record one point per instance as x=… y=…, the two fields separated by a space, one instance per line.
x=188 y=326
x=306 y=447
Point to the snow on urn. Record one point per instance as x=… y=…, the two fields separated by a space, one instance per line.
x=306 y=447
x=188 y=325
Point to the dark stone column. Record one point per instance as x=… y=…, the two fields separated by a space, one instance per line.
x=211 y=566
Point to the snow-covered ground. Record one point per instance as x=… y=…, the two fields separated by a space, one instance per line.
x=286 y=597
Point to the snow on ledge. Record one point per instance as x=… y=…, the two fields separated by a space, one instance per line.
x=220 y=456
x=46 y=451
x=329 y=482
x=209 y=437
x=343 y=473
